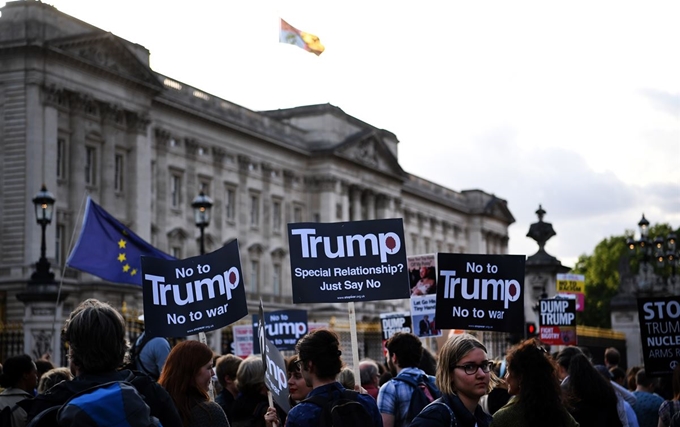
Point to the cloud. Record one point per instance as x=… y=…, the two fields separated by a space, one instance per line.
x=664 y=101
x=584 y=206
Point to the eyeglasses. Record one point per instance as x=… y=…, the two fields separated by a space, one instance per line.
x=471 y=368
x=298 y=364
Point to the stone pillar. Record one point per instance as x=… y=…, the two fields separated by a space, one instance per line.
x=355 y=194
x=370 y=204
x=108 y=113
x=139 y=197
x=327 y=198
x=161 y=180
x=42 y=334
x=344 y=197
x=475 y=243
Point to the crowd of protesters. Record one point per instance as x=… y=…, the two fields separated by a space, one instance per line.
x=460 y=385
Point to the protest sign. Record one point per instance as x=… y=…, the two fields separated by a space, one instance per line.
x=391 y=323
x=557 y=320
x=348 y=261
x=660 y=333
x=480 y=292
x=199 y=294
x=283 y=328
x=423 y=278
x=573 y=285
x=275 y=377
x=243 y=340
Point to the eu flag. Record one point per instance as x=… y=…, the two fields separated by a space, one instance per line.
x=108 y=249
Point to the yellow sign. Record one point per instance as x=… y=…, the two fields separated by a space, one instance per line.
x=573 y=283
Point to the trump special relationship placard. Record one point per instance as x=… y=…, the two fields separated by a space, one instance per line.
x=480 y=292
x=348 y=261
x=194 y=295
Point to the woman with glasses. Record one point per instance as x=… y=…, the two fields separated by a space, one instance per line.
x=537 y=397
x=463 y=377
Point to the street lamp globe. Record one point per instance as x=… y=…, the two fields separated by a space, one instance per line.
x=202 y=205
x=44 y=206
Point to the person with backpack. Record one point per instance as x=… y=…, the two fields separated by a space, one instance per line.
x=669 y=410
x=405 y=395
x=532 y=380
x=149 y=353
x=95 y=333
x=186 y=376
x=19 y=379
x=463 y=376
x=328 y=404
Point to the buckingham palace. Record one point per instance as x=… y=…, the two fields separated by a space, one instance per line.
x=82 y=112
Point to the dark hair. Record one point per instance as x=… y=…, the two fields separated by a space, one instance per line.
x=617 y=373
x=540 y=395
x=643 y=380
x=428 y=362
x=179 y=375
x=322 y=348
x=612 y=356
x=564 y=357
x=43 y=366
x=407 y=347
x=588 y=385
x=95 y=332
x=14 y=369
x=227 y=365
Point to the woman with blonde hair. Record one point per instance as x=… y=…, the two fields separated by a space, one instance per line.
x=186 y=376
x=463 y=377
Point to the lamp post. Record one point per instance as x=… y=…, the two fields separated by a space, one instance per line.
x=658 y=258
x=44 y=208
x=202 y=205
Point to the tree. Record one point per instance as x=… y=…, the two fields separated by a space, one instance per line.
x=602 y=274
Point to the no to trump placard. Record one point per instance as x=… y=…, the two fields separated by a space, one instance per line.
x=348 y=261
x=198 y=294
x=480 y=292
x=283 y=328
x=660 y=333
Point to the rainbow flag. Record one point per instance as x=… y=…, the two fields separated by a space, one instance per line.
x=291 y=35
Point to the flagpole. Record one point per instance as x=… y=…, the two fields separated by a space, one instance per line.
x=202 y=338
x=353 y=336
x=70 y=247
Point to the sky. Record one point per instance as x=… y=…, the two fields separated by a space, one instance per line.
x=573 y=105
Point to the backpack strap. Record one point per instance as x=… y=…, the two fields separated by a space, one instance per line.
x=442 y=402
x=138 y=353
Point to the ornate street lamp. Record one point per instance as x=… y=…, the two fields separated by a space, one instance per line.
x=202 y=205
x=44 y=208
x=659 y=253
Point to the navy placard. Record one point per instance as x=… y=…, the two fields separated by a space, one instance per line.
x=348 y=261
x=193 y=295
x=480 y=292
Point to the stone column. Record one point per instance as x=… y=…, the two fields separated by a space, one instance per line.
x=161 y=180
x=139 y=196
x=355 y=195
x=108 y=113
x=327 y=189
x=344 y=197
x=370 y=204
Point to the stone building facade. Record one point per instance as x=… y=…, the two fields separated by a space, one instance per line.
x=82 y=112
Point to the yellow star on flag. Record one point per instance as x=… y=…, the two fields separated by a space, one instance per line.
x=133 y=272
x=126 y=267
x=121 y=257
x=121 y=244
